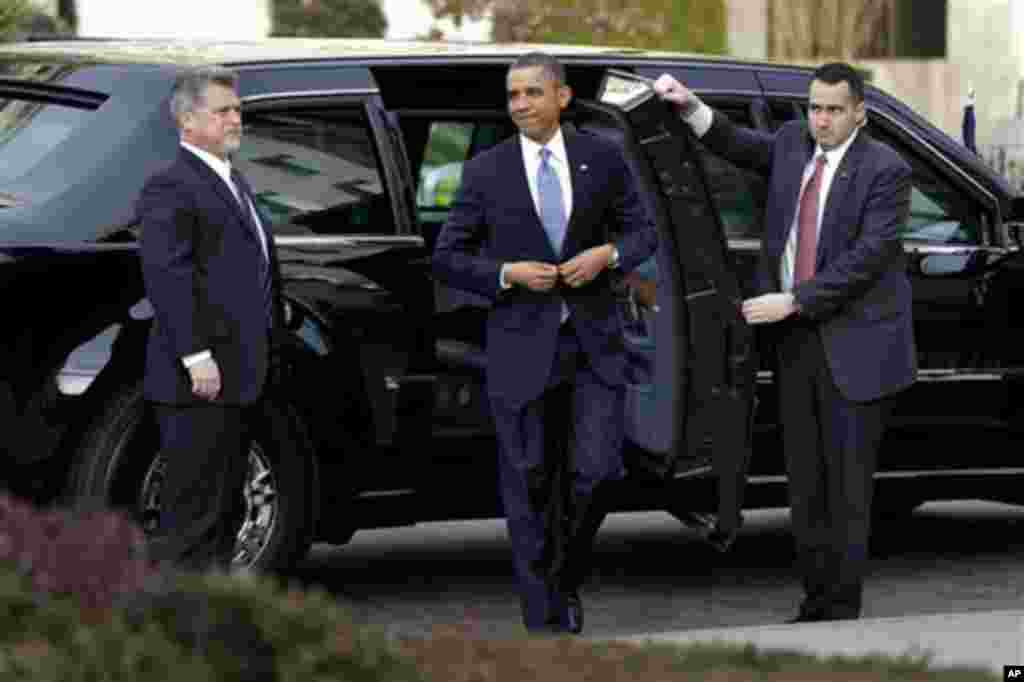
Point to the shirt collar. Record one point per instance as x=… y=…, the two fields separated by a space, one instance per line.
x=835 y=156
x=221 y=166
x=531 y=150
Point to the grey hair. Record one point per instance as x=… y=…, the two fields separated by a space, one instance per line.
x=189 y=91
x=553 y=68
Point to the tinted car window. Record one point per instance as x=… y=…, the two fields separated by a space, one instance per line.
x=29 y=129
x=441 y=172
x=739 y=192
x=449 y=144
x=315 y=172
x=938 y=212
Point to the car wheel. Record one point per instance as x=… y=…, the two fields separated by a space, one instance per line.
x=119 y=464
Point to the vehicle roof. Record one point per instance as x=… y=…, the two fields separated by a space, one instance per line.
x=239 y=53
x=190 y=52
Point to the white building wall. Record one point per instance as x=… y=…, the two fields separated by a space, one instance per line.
x=240 y=19
x=410 y=19
x=747 y=27
x=211 y=19
x=984 y=39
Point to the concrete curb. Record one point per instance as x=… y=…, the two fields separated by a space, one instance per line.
x=978 y=640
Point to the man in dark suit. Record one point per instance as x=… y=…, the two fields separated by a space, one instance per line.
x=832 y=280
x=210 y=273
x=543 y=204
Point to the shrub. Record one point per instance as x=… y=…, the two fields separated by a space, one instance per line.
x=203 y=629
x=82 y=602
x=93 y=555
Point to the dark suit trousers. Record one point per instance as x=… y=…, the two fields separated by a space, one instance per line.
x=206 y=454
x=576 y=423
x=831 y=449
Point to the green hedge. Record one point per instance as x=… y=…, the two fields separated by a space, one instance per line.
x=81 y=602
x=197 y=628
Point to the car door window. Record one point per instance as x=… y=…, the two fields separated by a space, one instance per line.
x=938 y=212
x=315 y=172
x=440 y=173
x=449 y=144
x=738 y=192
x=31 y=129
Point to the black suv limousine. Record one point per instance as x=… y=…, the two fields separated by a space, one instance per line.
x=378 y=415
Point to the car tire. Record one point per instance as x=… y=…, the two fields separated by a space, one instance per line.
x=118 y=465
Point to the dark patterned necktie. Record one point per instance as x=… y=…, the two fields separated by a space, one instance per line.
x=249 y=212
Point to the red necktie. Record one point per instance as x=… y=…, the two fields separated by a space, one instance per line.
x=807 y=226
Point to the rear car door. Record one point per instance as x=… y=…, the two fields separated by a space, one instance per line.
x=329 y=175
x=693 y=406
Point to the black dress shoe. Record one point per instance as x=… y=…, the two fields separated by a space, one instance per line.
x=813 y=613
x=843 y=615
x=573 y=613
x=820 y=616
x=806 y=618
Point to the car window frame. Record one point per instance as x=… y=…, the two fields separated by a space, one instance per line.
x=362 y=99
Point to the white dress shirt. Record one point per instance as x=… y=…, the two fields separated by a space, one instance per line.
x=700 y=122
x=559 y=161
x=833 y=158
x=222 y=168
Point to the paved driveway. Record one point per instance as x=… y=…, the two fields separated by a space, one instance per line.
x=653 y=575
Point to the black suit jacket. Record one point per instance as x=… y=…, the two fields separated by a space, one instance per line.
x=860 y=293
x=201 y=261
x=494 y=210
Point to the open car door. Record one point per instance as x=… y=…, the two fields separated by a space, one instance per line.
x=690 y=400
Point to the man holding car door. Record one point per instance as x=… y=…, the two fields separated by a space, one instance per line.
x=833 y=286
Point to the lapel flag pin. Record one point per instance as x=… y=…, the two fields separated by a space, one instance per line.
x=583 y=168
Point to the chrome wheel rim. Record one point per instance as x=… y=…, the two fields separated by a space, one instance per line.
x=261 y=505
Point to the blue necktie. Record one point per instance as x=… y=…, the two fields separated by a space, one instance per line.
x=552 y=208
